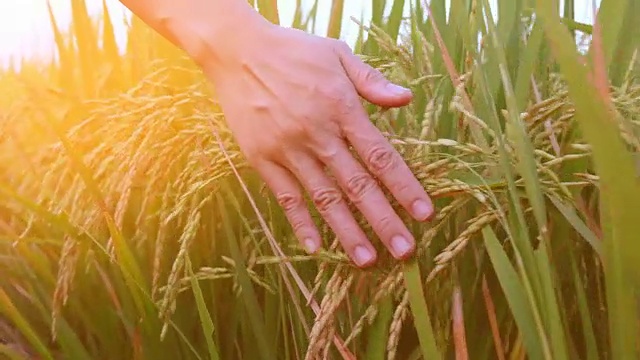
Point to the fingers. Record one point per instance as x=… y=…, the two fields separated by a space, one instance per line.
x=329 y=201
x=379 y=156
x=289 y=196
x=386 y=164
x=365 y=193
x=371 y=83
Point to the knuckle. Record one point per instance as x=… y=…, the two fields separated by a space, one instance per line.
x=382 y=159
x=326 y=198
x=339 y=96
x=268 y=150
x=298 y=225
x=333 y=90
x=371 y=74
x=342 y=46
x=359 y=185
x=327 y=150
x=260 y=107
x=295 y=130
x=385 y=224
x=253 y=155
x=347 y=106
x=286 y=134
x=289 y=201
x=400 y=186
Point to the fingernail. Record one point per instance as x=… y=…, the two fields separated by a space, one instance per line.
x=422 y=209
x=363 y=255
x=400 y=245
x=310 y=245
x=397 y=89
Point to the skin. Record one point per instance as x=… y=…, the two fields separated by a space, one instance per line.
x=303 y=92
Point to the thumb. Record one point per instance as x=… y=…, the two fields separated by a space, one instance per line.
x=371 y=83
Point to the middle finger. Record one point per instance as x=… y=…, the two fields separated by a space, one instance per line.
x=366 y=194
x=329 y=201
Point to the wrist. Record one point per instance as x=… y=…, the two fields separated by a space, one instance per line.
x=210 y=39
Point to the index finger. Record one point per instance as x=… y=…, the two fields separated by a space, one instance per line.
x=384 y=162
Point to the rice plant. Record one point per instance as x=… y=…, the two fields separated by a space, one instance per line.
x=132 y=227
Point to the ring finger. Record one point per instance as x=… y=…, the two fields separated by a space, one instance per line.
x=289 y=196
x=329 y=201
x=364 y=192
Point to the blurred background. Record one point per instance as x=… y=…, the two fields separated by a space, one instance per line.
x=25 y=29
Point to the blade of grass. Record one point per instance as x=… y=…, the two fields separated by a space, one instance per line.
x=296 y=23
x=110 y=46
x=608 y=17
x=569 y=13
x=516 y=297
x=628 y=43
x=379 y=331
x=493 y=322
x=574 y=25
x=9 y=310
x=248 y=227
x=585 y=316
x=395 y=19
x=418 y=61
x=312 y=17
x=528 y=170
x=359 y=44
x=420 y=311
x=616 y=168
x=572 y=217
x=203 y=312
x=554 y=317
x=528 y=63
x=371 y=46
x=335 y=19
x=248 y=293
x=86 y=44
x=517 y=230
x=476 y=132
x=269 y=9
x=459 y=336
x=66 y=80
x=516 y=131
x=10 y=353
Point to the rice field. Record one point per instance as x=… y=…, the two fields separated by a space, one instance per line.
x=132 y=226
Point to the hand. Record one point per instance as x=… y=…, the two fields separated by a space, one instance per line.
x=291 y=100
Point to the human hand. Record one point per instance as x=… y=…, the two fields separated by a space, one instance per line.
x=291 y=100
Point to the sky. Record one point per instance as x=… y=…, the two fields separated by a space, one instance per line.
x=25 y=28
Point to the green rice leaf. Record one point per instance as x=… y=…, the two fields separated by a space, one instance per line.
x=516 y=297
x=420 y=311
